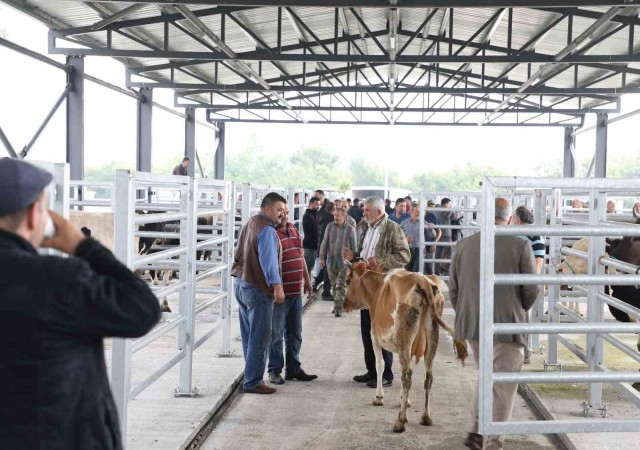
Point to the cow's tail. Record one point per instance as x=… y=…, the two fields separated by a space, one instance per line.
x=459 y=346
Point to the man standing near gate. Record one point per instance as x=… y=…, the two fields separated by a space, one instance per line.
x=287 y=316
x=259 y=284
x=513 y=255
x=54 y=314
x=383 y=245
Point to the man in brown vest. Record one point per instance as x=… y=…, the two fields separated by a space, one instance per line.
x=259 y=283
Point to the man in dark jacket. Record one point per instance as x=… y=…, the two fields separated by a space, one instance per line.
x=182 y=168
x=310 y=229
x=54 y=314
x=355 y=211
x=325 y=217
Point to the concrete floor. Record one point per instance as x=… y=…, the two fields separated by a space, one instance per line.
x=334 y=412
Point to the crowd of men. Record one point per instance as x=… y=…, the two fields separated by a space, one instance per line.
x=386 y=238
x=55 y=311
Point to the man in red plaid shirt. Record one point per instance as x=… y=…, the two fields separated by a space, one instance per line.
x=287 y=317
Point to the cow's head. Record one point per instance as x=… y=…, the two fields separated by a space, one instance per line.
x=572 y=264
x=357 y=271
x=628 y=250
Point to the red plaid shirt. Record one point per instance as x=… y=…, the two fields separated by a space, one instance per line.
x=293 y=264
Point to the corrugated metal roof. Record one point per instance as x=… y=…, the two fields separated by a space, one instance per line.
x=301 y=26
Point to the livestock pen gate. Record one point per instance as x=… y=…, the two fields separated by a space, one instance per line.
x=593 y=326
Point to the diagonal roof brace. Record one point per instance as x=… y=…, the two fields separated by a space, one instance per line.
x=589 y=34
x=242 y=66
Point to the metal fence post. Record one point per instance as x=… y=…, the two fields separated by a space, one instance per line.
x=595 y=312
x=422 y=202
x=553 y=316
x=188 y=230
x=487 y=282
x=227 y=280
x=124 y=251
x=540 y=218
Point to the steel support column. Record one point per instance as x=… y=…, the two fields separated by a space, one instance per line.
x=600 y=156
x=75 y=117
x=190 y=139
x=145 y=114
x=569 y=164
x=219 y=164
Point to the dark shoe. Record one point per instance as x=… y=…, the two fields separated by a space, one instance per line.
x=473 y=441
x=364 y=378
x=300 y=375
x=275 y=378
x=328 y=298
x=260 y=389
x=385 y=383
x=338 y=314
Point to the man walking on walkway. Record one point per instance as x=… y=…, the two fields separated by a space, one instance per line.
x=287 y=316
x=310 y=229
x=259 y=284
x=383 y=245
x=513 y=255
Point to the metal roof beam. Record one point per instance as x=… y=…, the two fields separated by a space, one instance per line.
x=566 y=111
x=536 y=58
x=535 y=90
x=385 y=3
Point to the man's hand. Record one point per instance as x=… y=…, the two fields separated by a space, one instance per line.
x=322 y=263
x=432 y=249
x=278 y=294
x=308 y=288
x=409 y=239
x=67 y=237
x=372 y=262
x=348 y=254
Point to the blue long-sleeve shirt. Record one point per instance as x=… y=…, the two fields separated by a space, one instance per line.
x=268 y=253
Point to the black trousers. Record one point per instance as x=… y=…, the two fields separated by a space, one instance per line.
x=414 y=262
x=369 y=355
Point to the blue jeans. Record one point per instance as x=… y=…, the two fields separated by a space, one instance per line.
x=255 y=312
x=287 y=323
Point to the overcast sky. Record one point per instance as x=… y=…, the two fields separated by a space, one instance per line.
x=28 y=89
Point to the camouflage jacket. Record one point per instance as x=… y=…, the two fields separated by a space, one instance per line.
x=392 y=249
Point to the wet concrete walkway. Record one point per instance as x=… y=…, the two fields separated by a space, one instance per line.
x=334 y=412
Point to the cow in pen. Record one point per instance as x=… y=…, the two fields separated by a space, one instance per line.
x=626 y=250
x=406 y=309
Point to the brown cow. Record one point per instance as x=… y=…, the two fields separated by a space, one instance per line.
x=405 y=309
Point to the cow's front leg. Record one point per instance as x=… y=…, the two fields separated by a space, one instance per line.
x=405 y=364
x=377 y=350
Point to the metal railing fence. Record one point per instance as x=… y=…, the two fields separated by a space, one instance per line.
x=593 y=325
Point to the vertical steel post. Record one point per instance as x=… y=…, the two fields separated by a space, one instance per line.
x=595 y=308
x=247 y=202
x=75 y=118
x=219 y=164
x=554 y=290
x=124 y=206
x=487 y=282
x=145 y=115
x=422 y=202
x=227 y=280
x=569 y=164
x=190 y=139
x=187 y=297
x=601 y=145
x=540 y=218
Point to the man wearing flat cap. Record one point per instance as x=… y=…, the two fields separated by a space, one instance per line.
x=54 y=314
